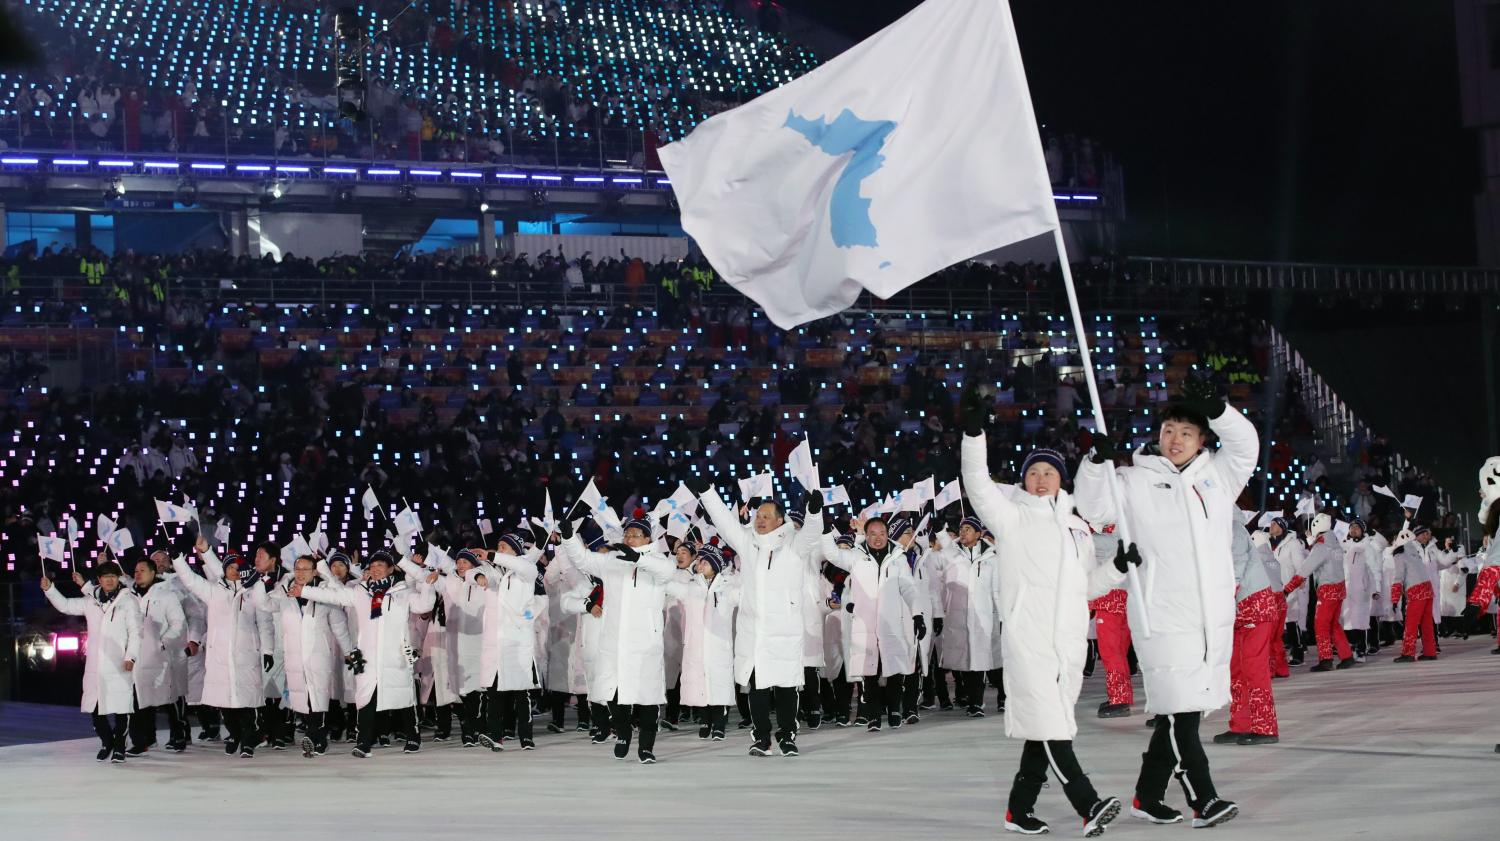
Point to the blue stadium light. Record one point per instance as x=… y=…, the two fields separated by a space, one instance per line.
x=340 y=170
x=512 y=176
x=296 y=169
x=19 y=161
x=117 y=164
x=460 y=174
x=626 y=180
x=69 y=162
x=380 y=172
x=161 y=165
x=588 y=179
x=431 y=173
x=252 y=167
x=546 y=178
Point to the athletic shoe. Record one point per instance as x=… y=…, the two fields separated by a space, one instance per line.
x=894 y=719
x=717 y=736
x=667 y=725
x=1100 y=815
x=1426 y=657
x=945 y=706
x=1151 y=722
x=554 y=727
x=745 y=724
x=528 y=744
x=1405 y=658
x=176 y=747
x=1257 y=739
x=861 y=721
x=442 y=737
x=231 y=747
x=1108 y=710
x=384 y=741
x=873 y=726
x=495 y=745
x=911 y=718
x=599 y=739
x=814 y=721
x=646 y=757
x=307 y=748
x=469 y=741
x=136 y=750
x=976 y=712
x=704 y=731
x=1349 y=663
x=841 y=721
x=103 y=754
x=1000 y=707
x=247 y=752
x=1323 y=666
x=1215 y=812
x=1025 y=824
x=1495 y=650
x=927 y=705
x=360 y=751
x=622 y=749
x=760 y=749
x=1294 y=661
x=788 y=747
x=117 y=757
x=581 y=728
x=1228 y=737
x=412 y=747
x=1154 y=812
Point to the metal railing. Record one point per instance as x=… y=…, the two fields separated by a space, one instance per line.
x=1334 y=422
x=1313 y=277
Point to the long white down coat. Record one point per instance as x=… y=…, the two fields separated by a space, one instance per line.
x=1048 y=574
x=880 y=639
x=196 y=630
x=382 y=640
x=1182 y=615
x=313 y=636
x=566 y=671
x=1290 y=554
x=237 y=636
x=1362 y=561
x=461 y=640
x=707 y=637
x=507 y=660
x=590 y=632
x=114 y=636
x=970 y=594
x=629 y=665
x=160 y=674
x=774 y=573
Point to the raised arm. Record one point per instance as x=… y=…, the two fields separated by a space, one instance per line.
x=726 y=522
x=992 y=506
x=213 y=570
x=335 y=595
x=1239 y=449
x=834 y=554
x=423 y=598
x=196 y=585
x=657 y=566
x=72 y=607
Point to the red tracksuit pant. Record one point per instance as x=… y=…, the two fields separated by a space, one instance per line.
x=1328 y=622
x=1113 y=633
x=1252 y=708
x=1279 y=666
x=1485 y=588
x=1418 y=620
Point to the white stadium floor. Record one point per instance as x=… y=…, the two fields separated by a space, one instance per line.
x=1383 y=751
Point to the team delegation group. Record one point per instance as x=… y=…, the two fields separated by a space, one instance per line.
x=775 y=614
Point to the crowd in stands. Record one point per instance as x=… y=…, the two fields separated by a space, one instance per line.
x=245 y=406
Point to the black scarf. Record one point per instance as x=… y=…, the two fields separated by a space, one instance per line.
x=377 y=590
x=104 y=598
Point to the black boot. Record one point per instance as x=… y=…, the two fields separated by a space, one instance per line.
x=1023 y=794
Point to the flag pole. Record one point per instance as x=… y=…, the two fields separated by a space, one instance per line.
x=1121 y=526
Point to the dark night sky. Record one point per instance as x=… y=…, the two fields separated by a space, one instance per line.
x=1318 y=131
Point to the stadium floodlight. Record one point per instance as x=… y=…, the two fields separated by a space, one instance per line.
x=114 y=188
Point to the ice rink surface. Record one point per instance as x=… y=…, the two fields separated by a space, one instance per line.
x=1384 y=751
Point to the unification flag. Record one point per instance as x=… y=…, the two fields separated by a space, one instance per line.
x=913 y=150
x=169 y=513
x=50 y=548
x=951 y=493
x=369 y=502
x=802 y=467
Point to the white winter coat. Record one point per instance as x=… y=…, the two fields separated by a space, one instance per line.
x=237 y=637
x=590 y=631
x=970 y=580
x=114 y=636
x=927 y=577
x=774 y=569
x=382 y=640
x=1048 y=574
x=1182 y=616
x=160 y=673
x=565 y=658
x=707 y=637
x=881 y=640
x=1362 y=583
x=191 y=669
x=628 y=665
x=814 y=651
x=1290 y=555
x=507 y=660
x=313 y=635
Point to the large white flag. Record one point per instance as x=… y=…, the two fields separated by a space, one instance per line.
x=50 y=547
x=169 y=513
x=802 y=467
x=910 y=152
x=951 y=493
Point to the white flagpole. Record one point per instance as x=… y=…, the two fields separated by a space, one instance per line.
x=1121 y=525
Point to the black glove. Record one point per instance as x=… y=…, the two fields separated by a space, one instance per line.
x=697 y=484
x=267 y=661
x=937 y=627
x=1104 y=450
x=814 y=502
x=627 y=553
x=1202 y=396
x=355 y=662
x=1124 y=557
x=920 y=626
x=565 y=529
x=849 y=606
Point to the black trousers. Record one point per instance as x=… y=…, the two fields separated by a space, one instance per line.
x=761 y=700
x=599 y=717
x=838 y=694
x=208 y=719
x=644 y=717
x=317 y=725
x=560 y=708
x=242 y=724
x=935 y=686
x=111 y=728
x=469 y=711
x=742 y=703
x=1036 y=759
x=402 y=722
x=970 y=689
x=274 y=725
x=674 y=703
x=810 y=699
x=143 y=724
x=1292 y=639
x=1175 y=750
x=716 y=718
x=876 y=700
x=507 y=708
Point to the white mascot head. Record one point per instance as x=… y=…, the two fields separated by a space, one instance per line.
x=1321 y=525
x=1489 y=495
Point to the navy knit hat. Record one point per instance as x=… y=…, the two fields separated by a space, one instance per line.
x=899 y=526
x=514 y=541
x=972 y=522
x=845 y=540
x=1420 y=530
x=340 y=556
x=637 y=523
x=233 y=558
x=1043 y=455
x=467 y=555
x=383 y=555
x=1286 y=525
x=714 y=557
x=797 y=517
